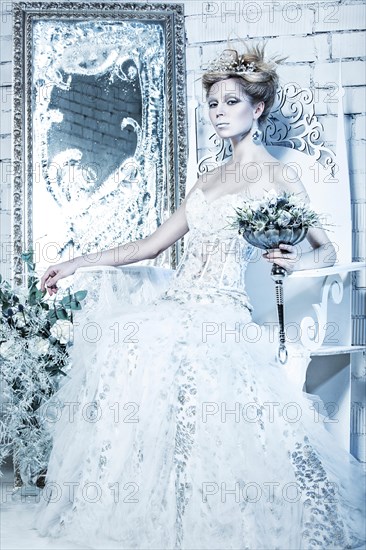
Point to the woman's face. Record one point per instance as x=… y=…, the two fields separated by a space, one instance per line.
x=230 y=109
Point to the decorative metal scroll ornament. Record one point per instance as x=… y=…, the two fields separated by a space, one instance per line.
x=291 y=123
x=269 y=222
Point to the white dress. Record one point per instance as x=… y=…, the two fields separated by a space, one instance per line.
x=188 y=436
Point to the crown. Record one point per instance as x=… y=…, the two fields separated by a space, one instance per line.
x=231 y=62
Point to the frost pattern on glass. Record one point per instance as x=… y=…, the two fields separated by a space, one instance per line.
x=91 y=205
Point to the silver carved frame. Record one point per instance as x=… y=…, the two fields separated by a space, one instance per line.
x=171 y=16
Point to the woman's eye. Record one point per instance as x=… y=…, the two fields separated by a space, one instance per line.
x=212 y=104
x=232 y=101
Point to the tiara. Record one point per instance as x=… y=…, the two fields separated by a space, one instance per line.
x=230 y=61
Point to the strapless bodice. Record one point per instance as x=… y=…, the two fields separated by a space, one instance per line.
x=215 y=258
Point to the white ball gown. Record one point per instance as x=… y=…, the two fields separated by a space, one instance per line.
x=182 y=435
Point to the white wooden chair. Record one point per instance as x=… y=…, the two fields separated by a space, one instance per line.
x=317 y=301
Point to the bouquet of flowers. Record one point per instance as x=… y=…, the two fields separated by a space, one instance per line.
x=35 y=334
x=276 y=218
x=266 y=223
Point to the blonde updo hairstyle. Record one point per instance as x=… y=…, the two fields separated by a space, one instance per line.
x=260 y=80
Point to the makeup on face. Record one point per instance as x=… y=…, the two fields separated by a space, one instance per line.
x=230 y=110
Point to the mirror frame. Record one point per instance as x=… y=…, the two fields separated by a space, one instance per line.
x=24 y=14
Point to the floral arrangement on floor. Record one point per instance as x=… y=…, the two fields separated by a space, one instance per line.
x=274 y=212
x=35 y=335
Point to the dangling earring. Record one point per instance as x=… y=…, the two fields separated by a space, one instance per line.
x=257 y=134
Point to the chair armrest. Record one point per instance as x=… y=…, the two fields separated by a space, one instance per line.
x=335 y=289
x=325 y=271
x=124 y=268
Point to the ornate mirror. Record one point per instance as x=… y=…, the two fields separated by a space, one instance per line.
x=99 y=104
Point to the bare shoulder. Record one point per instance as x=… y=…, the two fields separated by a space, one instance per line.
x=201 y=183
x=210 y=178
x=287 y=178
x=198 y=185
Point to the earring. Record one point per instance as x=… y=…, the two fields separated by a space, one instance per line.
x=257 y=134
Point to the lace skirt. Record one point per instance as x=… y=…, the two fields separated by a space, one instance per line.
x=178 y=429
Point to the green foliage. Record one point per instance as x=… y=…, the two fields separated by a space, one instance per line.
x=35 y=335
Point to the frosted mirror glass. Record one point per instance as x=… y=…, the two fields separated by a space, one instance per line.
x=102 y=98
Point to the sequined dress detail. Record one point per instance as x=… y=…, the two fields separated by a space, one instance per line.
x=174 y=433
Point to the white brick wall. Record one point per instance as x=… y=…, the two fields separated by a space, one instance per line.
x=348 y=44
x=5 y=135
x=263 y=22
x=296 y=48
x=5 y=71
x=359 y=128
x=353 y=103
x=295 y=73
x=339 y=16
x=352 y=73
x=329 y=123
x=314 y=35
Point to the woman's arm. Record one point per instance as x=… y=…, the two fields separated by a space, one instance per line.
x=323 y=253
x=150 y=247
x=293 y=259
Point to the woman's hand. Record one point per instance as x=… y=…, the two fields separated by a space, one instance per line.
x=285 y=256
x=56 y=272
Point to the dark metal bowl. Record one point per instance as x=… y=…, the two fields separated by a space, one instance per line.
x=272 y=237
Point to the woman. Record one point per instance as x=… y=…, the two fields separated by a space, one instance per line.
x=179 y=437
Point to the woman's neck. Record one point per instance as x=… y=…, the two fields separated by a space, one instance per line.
x=245 y=150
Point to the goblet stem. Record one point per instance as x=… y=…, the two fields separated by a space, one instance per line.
x=278 y=273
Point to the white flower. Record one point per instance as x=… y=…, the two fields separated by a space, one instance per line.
x=11 y=349
x=285 y=209
x=38 y=345
x=22 y=293
x=19 y=319
x=62 y=330
x=272 y=197
x=284 y=218
x=255 y=205
x=270 y=194
x=259 y=225
x=296 y=201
